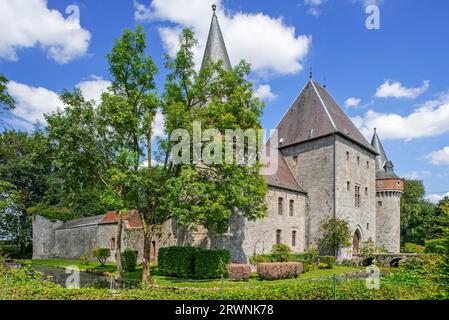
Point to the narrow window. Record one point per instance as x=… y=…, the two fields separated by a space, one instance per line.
x=280 y=205
x=357 y=196
x=348 y=186
x=366 y=191
x=310 y=133
x=294 y=238
x=347 y=155
x=295 y=160
x=278 y=236
x=379 y=203
x=367 y=226
x=291 y=208
x=367 y=165
x=112 y=243
x=358 y=161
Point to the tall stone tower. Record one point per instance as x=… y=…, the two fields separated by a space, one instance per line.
x=389 y=190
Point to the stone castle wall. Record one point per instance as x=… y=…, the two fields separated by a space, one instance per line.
x=357 y=170
x=388 y=221
x=314 y=171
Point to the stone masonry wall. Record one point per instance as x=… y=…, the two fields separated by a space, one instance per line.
x=388 y=222
x=314 y=171
x=44 y=237
x=358 y=170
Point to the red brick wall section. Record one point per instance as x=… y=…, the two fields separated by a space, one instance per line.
x=390 y=185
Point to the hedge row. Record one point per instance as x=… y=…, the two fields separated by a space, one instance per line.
x=191 y=262
x=305 y=290
x=279 y=270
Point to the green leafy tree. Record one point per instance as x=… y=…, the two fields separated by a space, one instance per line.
x=335 y=234
x=111 y=143
x=417 y=214
x=443 y=235
x=23 y=171
x=7 y=103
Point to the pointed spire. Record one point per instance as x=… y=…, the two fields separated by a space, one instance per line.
x=215 y=47
x=383 y=165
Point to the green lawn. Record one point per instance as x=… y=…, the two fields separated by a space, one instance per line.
x=193 y=283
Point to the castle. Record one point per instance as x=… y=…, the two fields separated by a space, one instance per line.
x=326 y=168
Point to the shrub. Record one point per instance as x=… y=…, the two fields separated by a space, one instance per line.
x=425 y=265
x=279 y=270
x=261 y=258
x=102 y=254
x=328 y=260
x=307 y=265
x=84 y=259
x=368 y=249
x=239 y=271
x=435 y=246
x=281 y=253
x=129 y=259
x=413 y=248
x=312 y=254
x=177 y=261
x=210 y=264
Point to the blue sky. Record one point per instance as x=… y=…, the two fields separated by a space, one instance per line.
x=396 y=76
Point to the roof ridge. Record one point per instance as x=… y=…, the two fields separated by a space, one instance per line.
x=324 y=106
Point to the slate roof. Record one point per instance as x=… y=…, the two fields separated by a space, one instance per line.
x=315 y=114
x=382 y=160
x=283 y=178
x=131 y=220
x=215 y=46
x=82 y=222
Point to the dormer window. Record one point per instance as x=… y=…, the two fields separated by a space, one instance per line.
x=281 y=141
x=310 y=133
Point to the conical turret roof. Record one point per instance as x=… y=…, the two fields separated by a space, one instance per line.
x=215 y=47
x=384 y=167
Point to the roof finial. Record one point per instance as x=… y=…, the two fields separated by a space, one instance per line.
x=310 y=73
x=214 y=8
x=375 y=129
x=324 y=85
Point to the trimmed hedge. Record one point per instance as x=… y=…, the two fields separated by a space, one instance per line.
x=188 y=262
x=239 y=271
x=210 y=264
x=176 y=261
x=279 y=270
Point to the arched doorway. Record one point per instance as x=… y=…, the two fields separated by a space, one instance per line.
x=356 y=243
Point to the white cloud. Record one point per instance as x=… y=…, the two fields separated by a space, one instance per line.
x=267 y=43
x=264 y=92
x=314 y=6
x=440 y=157
x=30 y=23
x=32 y=102
x=394 y=89
x=93 y=89
x=418 y=175
x=435 y=198
x=429 y=120
x=352 y=102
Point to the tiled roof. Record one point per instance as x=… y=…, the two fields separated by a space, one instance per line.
x=82 y=222
x=130 y=218
x=315 y=114
x=283 y=178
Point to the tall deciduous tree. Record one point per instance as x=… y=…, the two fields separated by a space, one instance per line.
x=417 y=214
x=6 y=101
x=112 y=143
x=23 y=171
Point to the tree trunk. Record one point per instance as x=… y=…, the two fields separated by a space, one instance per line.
x=118 y=248
x=147 y=237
